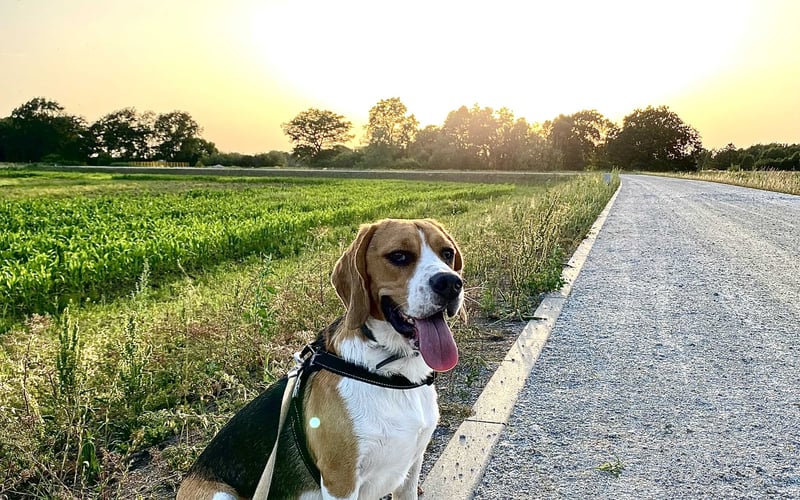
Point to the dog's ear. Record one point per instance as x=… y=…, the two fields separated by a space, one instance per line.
x=458 y=261
x=349 y=278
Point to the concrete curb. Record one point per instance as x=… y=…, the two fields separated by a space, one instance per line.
x=460 y=468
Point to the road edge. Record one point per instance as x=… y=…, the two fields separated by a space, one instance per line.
x=461 y=466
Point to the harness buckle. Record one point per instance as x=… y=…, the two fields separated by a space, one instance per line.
x=301 y=361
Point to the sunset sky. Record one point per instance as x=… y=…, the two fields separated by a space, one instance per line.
x=241 y=68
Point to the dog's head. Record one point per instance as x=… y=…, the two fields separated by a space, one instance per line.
x=406 y=273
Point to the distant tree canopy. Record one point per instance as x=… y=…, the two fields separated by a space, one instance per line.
x=271 y=159
x=391 y=126
x=483 y=138
x=124 y=135
x=470 y=138
x=40 y=130
x=580 y=138
x=757 y=157
x=177 y=137
x=313 y=131
x=654 y=139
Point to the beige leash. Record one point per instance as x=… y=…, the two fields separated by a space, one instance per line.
x=262 y=490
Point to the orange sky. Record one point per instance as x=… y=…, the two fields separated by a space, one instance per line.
x=242 y=67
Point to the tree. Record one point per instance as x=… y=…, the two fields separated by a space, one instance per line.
x=177 y=137
x=655 y=139
x=196 y=149
x=5 y=138
x=471 y=134
x=428 y=141
x=390 y=125
x=517 y=145
x=726 y=158
x=579 y=137
x=747 y=162
x=560 y=134
x=271 y=159
x=40 y=128
x=592 y=130
x=483 y=138
x=512 y=139
x=312 y=131
x=124 y=135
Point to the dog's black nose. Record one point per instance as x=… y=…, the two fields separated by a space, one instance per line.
x=447 y=285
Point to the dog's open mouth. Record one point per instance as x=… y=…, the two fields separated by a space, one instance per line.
x=431 y=335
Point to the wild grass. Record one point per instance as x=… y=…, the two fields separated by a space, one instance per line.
x=523 y=242
x=612 y=467
x=117 y=398
x=769 y=180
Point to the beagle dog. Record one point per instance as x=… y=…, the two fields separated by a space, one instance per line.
x=360 y=423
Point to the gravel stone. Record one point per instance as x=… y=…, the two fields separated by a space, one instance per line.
x=676 y=360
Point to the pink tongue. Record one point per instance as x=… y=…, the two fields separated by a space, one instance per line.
x=436 y=343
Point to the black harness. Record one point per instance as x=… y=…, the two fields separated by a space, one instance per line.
x=313 y=359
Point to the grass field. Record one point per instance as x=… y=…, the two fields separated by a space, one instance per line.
x=770 y=180
x=202 y=297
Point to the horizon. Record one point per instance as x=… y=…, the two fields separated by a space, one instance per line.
x=728 y=69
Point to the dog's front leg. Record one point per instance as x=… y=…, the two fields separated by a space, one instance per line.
x=328 y=495
x=409 y=490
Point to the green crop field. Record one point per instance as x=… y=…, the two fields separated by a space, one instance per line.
x=140 y=312
x=57 y=249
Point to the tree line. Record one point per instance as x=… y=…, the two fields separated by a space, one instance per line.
x=653 y=138
x=40 y=130
x=757 y=157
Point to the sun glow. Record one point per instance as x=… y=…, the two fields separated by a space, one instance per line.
x=539 y=59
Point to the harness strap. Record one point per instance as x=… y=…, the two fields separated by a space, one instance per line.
x=390 y=359
x=264 y=483
x=324 y=360
x=299 y=432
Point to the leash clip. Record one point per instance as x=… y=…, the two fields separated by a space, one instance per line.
x=298 y=365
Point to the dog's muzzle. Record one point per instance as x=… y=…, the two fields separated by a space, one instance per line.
x=429 y=332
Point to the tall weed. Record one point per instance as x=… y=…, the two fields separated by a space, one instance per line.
x=133 y=378
x=769 y=180
x=519 y=248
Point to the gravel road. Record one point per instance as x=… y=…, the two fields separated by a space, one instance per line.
x=676 y=360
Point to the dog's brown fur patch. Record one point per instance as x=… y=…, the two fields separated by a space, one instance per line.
x=194 y=488
x=332 y=444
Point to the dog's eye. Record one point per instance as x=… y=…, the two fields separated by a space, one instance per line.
x=400 y=258
x=448 y=254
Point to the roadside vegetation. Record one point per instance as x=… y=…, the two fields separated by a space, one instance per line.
x=772 y=167
x=115 y=396
x=770 y=180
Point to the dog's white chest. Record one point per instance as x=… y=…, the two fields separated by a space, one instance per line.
x=392 y=427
